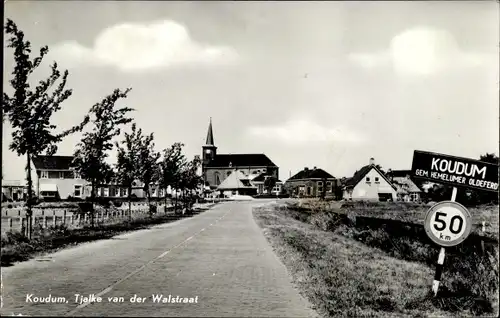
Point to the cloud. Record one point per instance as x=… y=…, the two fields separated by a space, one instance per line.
x=136 y=47
x=302 y=131
x=421 y=51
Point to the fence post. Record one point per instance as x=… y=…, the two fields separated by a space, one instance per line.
x=483 y=229
x=54 y=218
x=10 y=224
x=44 y=221
x=64 y=217
x=71 y=219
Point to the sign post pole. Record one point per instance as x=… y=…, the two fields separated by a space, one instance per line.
x=442 y=252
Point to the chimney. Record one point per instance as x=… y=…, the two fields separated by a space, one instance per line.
x=314 y=168
x=306 y=169
x=372 y=161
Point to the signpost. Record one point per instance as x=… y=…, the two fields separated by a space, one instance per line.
x=449 y=223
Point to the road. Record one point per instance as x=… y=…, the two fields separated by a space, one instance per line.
x=219 y=256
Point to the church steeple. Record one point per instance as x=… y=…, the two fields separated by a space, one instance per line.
x=209 y=149
x=210 y=135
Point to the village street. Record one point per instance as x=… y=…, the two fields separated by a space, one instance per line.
x=219 y=259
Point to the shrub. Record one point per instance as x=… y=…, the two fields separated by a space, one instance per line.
x=117 y=203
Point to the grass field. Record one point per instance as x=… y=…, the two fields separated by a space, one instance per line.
x=349 y=271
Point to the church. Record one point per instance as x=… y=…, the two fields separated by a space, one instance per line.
x=217 y=167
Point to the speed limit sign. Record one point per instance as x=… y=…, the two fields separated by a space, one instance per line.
x=448 y=223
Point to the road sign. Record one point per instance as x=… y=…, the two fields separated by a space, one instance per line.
x=457 y=171
x=448 y=223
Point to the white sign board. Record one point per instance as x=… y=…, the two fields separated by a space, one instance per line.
x=448 y=223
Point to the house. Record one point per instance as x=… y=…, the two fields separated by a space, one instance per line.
x=217 y=167
x=407 y=190
x=236 y=183
x=259 y=182
x=53 y=178
x=311 y=183
x=369 y=183
x=13 y=190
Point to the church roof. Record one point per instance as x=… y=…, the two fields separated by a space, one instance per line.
x=210 y=135
x=241 y=160
x=236 y=180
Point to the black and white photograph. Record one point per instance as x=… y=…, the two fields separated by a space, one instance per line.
x=250 y=158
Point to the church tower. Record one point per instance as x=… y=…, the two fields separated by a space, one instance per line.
x=209 y=150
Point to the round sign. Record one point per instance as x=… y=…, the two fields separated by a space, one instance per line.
x=448 y=223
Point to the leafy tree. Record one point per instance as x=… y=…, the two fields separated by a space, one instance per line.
x=127 y=165
x=91 y=152
x=172 y=163
x=269 y=183
x=190 y=180
x=30 y=111
x=148 y=165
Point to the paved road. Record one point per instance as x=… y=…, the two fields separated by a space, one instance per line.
x=219 y=256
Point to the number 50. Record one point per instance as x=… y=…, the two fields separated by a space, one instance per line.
x=440 y=224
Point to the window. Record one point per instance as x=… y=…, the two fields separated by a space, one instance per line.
x=155 y=192
x=367 y=179
x=320 y=190
x=112 y=192
x=76 y=175
x=161 y=192
x=377 y=180
x=320 y=183
x=124 y=192
x=61 y=174
x=44 y=174
x=328 y=186
x=78 y=190
x=106 y=192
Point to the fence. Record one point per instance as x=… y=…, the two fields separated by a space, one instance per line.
x=74 y=219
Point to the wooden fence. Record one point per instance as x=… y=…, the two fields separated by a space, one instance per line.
x=72 y=219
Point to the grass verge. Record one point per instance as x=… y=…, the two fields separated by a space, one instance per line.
x=342 y=276
x=15 y=247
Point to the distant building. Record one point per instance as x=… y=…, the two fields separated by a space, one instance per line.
x=311 y=183
x=217 y=167
x=259 y=182
x=407 y=190
x=370 y=183
x=13 y=190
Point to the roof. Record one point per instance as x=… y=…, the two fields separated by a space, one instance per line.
x=400 y=173
x=53 y=162
x=241 y=160
x=262 y=177
x=234 y=181
x=410 y=186
x=360 y=174
x=311 y=174
x=210 y=135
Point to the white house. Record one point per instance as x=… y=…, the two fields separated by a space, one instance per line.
x=370 y=184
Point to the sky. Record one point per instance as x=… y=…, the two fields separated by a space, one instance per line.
x=325 y=84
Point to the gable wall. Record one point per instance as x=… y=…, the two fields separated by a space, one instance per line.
x=369 y=190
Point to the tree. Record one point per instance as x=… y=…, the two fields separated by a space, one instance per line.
x=190 y=180
x=30 y=111
x=91 y=152
x=172 y=163
x=269 y=183
x=148 y=165
x=127 y=165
